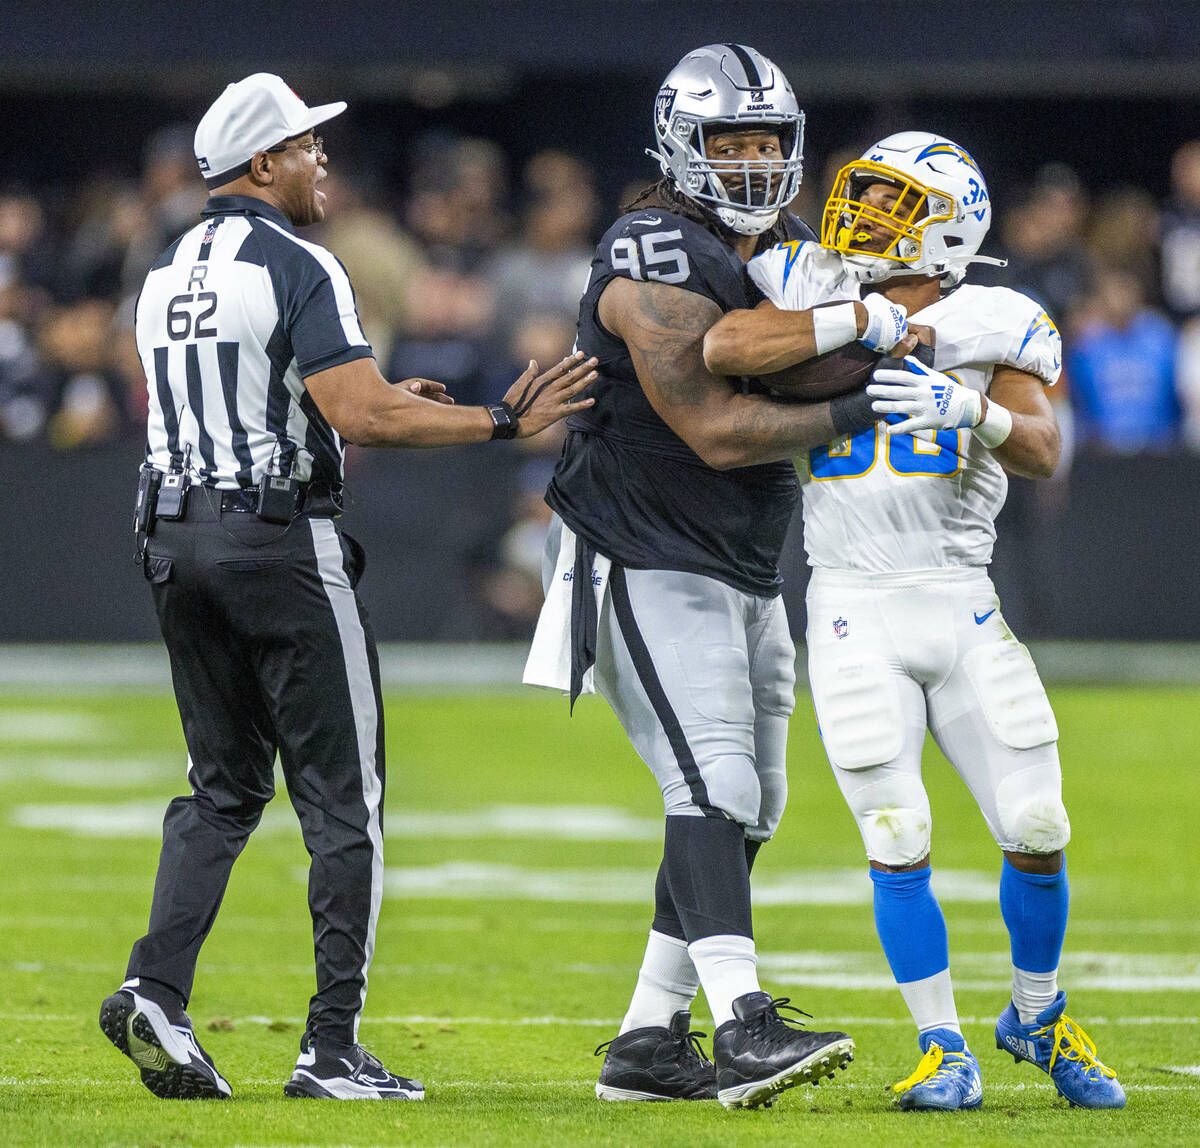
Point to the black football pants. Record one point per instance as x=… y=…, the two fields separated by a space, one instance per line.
x=270 y=651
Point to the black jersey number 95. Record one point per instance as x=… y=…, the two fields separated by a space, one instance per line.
x=652 y=256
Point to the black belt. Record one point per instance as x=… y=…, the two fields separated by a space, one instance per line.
x=317 y=498
x=240 y=501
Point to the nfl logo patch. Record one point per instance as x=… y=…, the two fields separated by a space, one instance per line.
x=840 y=627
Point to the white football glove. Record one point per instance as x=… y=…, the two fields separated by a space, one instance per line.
x=931 y=400
x=887 y=323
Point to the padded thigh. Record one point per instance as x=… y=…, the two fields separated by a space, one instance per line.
x=1011 y=694
x=858 y=708
x=716 y=680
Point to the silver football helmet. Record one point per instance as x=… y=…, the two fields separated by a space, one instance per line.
x=724 y=86
x=935 y=226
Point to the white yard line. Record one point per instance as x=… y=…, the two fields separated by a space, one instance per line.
x=468 y=667
x=50 y=725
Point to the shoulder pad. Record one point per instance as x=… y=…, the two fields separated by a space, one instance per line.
x=996 y=325
x=654 y=245
x=799 y=274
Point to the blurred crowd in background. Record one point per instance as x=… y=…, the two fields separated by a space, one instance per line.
x=479 y=268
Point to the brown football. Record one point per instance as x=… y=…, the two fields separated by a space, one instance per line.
x=836 y=372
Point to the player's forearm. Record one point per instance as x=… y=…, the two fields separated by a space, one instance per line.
x=756 y=430
x=758 y=342
x=765 y=340
x=1033 y=447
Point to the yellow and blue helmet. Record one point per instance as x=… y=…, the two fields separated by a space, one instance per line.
x=938 y=221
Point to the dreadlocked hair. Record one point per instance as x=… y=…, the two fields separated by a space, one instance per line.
x=666 y=195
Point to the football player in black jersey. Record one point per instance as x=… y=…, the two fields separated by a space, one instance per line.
x=671 y=500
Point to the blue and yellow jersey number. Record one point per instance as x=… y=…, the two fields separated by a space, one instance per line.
x=904 y=453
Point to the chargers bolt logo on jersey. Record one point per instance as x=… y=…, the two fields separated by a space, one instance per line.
x=840 y=627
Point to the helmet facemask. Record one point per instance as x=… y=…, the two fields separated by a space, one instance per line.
x=916 y=208
x=746 y=195
x=729 y=88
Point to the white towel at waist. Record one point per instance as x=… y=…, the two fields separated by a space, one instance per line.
x=549 y=661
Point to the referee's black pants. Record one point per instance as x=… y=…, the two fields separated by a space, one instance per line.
x=270 y=651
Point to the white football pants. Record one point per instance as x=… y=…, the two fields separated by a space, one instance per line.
x=890 y=655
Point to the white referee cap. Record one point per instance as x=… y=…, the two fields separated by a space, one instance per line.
x=248 y=117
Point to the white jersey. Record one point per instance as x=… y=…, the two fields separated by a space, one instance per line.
x=880 y=503
x=232 y=318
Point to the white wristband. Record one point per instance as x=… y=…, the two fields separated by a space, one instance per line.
x=995 y=427
x=834 y=326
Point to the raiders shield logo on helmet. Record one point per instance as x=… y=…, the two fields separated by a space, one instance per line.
x=663 y=103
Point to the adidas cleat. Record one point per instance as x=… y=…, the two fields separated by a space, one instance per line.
x=946 y=1080
x=1059 y=1047
x=657 y=1063
x=172 y=1063
x=759 y=1053
x=346 y=1072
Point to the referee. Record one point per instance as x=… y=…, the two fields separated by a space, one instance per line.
x=258 y=373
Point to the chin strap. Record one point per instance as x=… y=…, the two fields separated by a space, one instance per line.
x=988 y=260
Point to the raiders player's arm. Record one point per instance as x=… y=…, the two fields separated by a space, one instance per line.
x=1032 y=449
x=664 y=327
x=765 y=340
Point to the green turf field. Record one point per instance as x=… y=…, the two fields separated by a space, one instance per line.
x=521 y=853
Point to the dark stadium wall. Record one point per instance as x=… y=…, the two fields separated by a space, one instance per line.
x=1110 y=554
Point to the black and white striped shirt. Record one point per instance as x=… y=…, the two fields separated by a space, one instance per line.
x=232 y=317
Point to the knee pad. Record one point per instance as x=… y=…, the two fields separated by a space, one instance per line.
x=1032 y=816
x=858 y=710
x=733 y=788
x=894 y=819
x=774 y=790
x=1011 y=695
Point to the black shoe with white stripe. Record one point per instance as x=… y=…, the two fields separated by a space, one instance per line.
x=657 y=1063
x=172 y=1063
x=759 y=1053
x=346 y=1072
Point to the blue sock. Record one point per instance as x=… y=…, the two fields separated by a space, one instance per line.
x=1034 y=907
x=910 y=924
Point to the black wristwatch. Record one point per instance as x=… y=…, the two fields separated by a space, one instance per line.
x=504 y=422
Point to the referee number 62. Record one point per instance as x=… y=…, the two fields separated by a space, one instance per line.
x=179 y=317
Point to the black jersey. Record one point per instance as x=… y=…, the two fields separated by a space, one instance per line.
x=628 y=484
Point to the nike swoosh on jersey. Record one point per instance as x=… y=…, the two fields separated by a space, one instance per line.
x=649 y=222
x=981 y=618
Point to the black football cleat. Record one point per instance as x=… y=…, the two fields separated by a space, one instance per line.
x=346 y=1072
x=172 y=1063
x=657 y=1064
x=760 y=1053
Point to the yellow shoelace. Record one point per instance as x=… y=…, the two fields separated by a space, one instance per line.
x=931 y=1065
x=1074 y=1044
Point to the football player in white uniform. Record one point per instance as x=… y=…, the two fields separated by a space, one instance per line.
x=904 y=627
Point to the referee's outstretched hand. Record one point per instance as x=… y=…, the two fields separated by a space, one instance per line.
x=540 y=400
